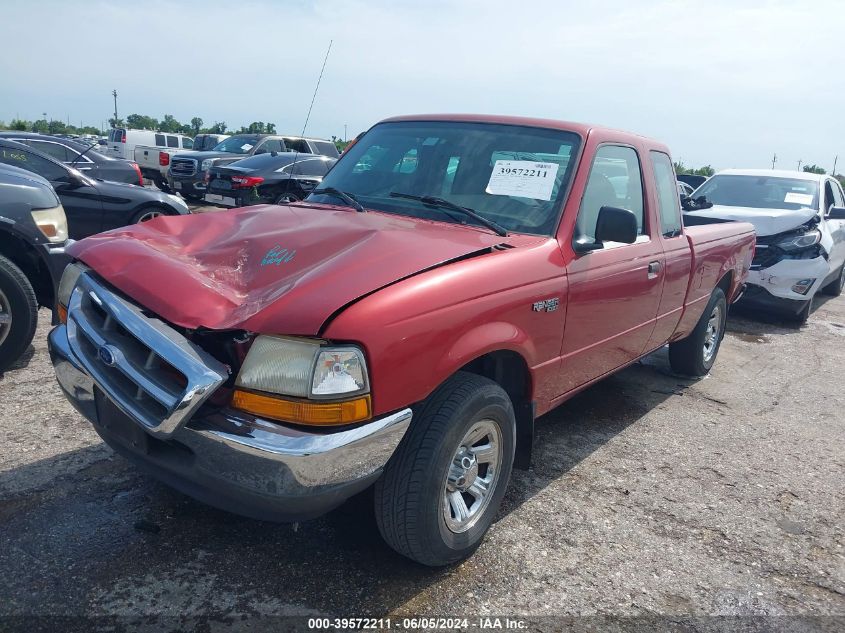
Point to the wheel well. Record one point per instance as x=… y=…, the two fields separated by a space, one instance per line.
x=26 y=258
x=725 y=283
x=510 y=371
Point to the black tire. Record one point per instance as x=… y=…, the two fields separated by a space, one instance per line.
x=411 y=496
x=193 y=197
x=690 y=356
x=17 y=298
x=802 y=317
x=835 y=287
x=147 y=213
x=287 y=197
x=161 y=183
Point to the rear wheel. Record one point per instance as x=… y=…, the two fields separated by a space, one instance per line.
x=18 y=313
x=441 y=489
x=835 y=287
x=695 y=355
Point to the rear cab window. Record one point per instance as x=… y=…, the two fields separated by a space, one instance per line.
x=160 y=140
x=173 y=141
x=668 y=201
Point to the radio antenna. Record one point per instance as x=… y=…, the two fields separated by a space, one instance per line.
x=313 y=98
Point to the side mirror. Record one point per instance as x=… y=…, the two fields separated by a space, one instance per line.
x=695 y=204
x=836 y=213
x=612 y=225
x=616 y=225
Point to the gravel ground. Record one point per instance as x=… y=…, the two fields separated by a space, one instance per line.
x=649 y=495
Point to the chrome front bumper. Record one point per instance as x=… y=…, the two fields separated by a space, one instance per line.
x=235 y=461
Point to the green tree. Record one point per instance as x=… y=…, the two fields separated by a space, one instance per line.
x=41 y=126
x=170 y=124
x=196 y=125
x=841 y=179
x=116 y=122
x=814 y=169
x=57 y=127
x=142 y=122
x=19 y=125
x=219 y=127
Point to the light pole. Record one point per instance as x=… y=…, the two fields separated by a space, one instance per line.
x=114 y=94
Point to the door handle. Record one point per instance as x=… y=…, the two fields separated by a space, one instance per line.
x=653 y=269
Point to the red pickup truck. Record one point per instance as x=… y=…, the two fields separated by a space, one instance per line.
x=452 y=279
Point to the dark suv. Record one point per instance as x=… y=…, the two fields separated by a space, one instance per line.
x=33 y=236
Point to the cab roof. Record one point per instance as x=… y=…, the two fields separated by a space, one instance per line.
x=582 y=129
x=775 y=173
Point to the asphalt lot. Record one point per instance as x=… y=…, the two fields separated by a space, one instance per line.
x=649 y=494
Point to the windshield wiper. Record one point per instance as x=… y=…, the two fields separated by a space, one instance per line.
x=434 y=201
x=337 y=193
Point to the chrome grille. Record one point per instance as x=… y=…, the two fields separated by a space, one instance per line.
x=149 y=370
x=183 y=166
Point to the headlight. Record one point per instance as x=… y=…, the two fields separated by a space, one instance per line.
x=66 y=285
x=304 y=382
x=797 y=242
x=303 y=368
x=206 y=164
x=52 y=223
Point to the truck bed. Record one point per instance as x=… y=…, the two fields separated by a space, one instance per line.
x=713 y=249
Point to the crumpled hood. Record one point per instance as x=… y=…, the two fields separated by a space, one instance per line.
x=765 y=221
x=270 y=269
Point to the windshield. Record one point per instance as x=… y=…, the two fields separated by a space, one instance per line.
x=237 y=144
x=515 y=176
x=760 y=192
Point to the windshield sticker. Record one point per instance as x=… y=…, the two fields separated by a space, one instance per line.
x=522 y=179
x=246 y=147
x=277 y=255
x=798 y=198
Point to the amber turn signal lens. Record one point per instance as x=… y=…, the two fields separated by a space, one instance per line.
x=303 y=412
x=62 y=313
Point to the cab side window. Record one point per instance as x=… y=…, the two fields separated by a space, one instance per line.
x=667 y=194
x=615 y=181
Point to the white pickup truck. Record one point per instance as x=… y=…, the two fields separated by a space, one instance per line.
x=154 y=162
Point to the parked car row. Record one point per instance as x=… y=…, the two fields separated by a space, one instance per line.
x=189 y=171
x=92 y=204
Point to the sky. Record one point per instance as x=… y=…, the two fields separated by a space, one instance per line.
x=722 y=83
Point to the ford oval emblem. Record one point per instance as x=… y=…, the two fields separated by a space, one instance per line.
x=106 y=355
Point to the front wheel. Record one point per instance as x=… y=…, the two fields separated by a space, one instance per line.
x=441 y=489
x=18 y=313
x=148 y=213
x=695 y=355
x=835 y=287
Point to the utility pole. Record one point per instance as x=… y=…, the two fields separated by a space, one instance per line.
x=774 y=159
x=835 y=158
x=344 y=132
x=799 y=164
x=114 y=94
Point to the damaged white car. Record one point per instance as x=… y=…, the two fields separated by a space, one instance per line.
x=800 y=223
